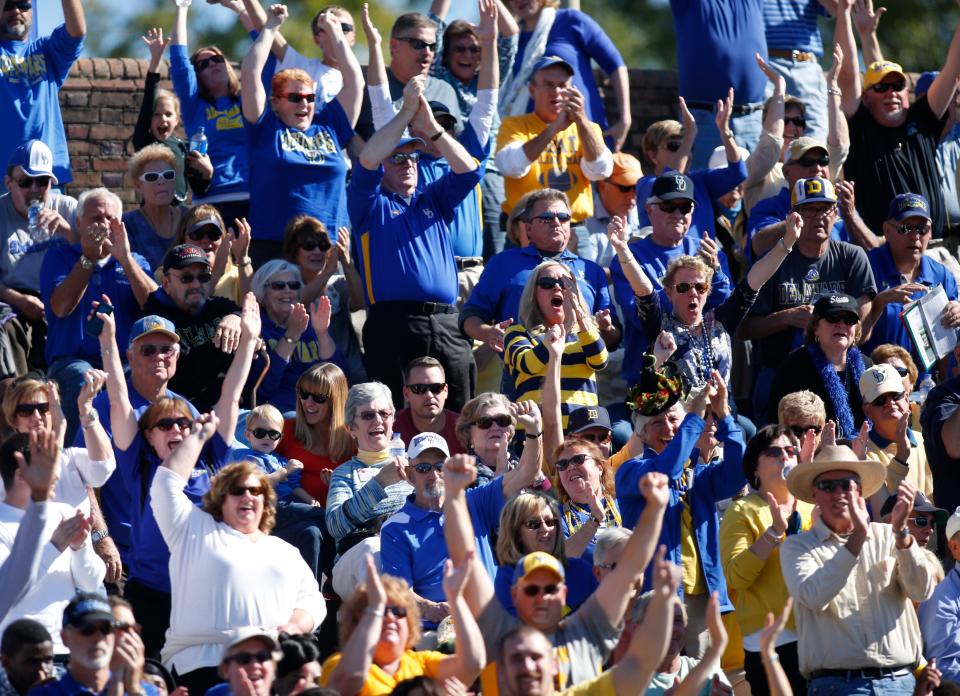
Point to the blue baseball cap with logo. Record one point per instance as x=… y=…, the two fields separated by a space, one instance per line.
x=86 y=607
x=153 y=324
x=908 y=205
x=35 y=158
x=671 y=186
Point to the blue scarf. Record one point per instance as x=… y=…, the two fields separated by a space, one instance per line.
x=838 y=392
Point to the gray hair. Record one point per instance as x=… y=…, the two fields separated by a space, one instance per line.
x=97 y=193
x=266 y=273
x=643 y=602
x=607 y=541
x=364 y=393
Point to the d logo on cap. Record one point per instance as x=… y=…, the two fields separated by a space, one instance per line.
x=813 y=186
x=680 y=182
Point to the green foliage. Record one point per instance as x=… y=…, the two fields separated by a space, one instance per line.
x=642 y=30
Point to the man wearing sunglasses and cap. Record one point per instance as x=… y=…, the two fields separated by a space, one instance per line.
x=614 y=196
x=831 y=571
x=31 y=75
x=249 y=664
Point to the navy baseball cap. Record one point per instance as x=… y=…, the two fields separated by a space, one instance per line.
x=585 y=417
x=86 y=607
x=672 y=186
x=835 y=304
x=549 y=62
x=908 y=205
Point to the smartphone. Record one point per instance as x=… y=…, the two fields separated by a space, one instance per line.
x=94 y=322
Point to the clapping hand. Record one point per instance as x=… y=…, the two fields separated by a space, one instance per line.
x=459 y=473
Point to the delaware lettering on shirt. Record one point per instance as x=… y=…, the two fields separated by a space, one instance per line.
x=314 y=148
x=29 y=69
x=303 y=351
x=790 y=293
x=230 y=119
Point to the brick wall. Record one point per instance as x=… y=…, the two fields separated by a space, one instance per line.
x=101 y=99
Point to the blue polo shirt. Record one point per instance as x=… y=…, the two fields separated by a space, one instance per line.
x=66 y=336
x=68 y=686
x=413 y=548
x=404 y=246
x=889 y=327
x=775 y=209
x=654 y=259
x=496 y=296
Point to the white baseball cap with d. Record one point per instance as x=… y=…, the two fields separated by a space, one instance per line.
x=879 y=380
x=424 y=441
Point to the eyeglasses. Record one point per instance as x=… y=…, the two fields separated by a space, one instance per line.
x=201 y=65
x=673 y=145
x=187 y=278
x=371 y=415
x=281 y=284
x=884 y=87
x=153 y=177
x=245 y=658
x=316 y=398
x=31 y=181
x=595 y=438
x=845 y=318
x=103 y=627
x=167 y=424
x=402 y=157
x=830 y=485
x=623 y=188
x=310 y=244
x=776 y=452
x=798 y=121
x=534 y=525
x=809 y=212
x=427 y=467
x=883 y=398
x=668 y=207
x=22 y=6
x=466 y=48
x=239 y=490
x=297 y=97
x=149 y=349
x=919 y=230
x=550 y=217
x=811 y=161
x=421 y=389
x=549 y=283
x=417 y=44
x=211 y=232
x=801 y=430
x=684 y=288
x=264 y=432
x=29 y=409
x=535 y=590
x=486 y=422
x=575 y=460
x=902 y=371
x=921 y=522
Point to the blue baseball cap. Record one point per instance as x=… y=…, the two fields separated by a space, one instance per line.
x=152 y=324
x=35 y=158
x=907 y=205
x=86 y=607
x=548 y=62
x=406 y=141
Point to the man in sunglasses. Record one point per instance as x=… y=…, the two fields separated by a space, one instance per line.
x=904 y=273
x=425 y=391
x=614 y=196
x=831 y=573
x=31 y=77
x=208 y=327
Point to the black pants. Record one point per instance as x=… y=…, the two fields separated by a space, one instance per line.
x=397 y=332
x=757 y=678
x=152 y=609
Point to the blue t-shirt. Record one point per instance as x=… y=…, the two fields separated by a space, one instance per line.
x=269 y=463
x=222 y=120
x=67 y=336
x=298 y=172
x=31 y=74
x=144 y=240
x=792 y=25
x=68 y=686
x=404 y=248
x=579 y=579
x=716 y=41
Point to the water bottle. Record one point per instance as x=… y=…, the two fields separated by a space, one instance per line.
x=397 y=447
x=199 y=140
x=923 y=389
x=37 y=232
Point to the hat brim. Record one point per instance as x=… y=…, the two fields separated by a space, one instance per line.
x=165 y=332
x=675 y=195
x=34 y=173
x=587 y=426
x=534 y=569
x=89 y=617
x=872 y=474
x=878 y=78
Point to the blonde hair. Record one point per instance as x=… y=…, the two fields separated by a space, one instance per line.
x=659 y=132
x=18 y=390
x=530 y=314
x=802 y=406
x=518 y=510
x=228 y=477
x=398 y=594
x=148 y=154
x=166 y=95
x=593 y=451
x=327 y=379
x=265 y=413
x=885 y=351
x=693 y=263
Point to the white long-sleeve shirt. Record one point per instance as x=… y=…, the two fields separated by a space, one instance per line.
x=20 y=569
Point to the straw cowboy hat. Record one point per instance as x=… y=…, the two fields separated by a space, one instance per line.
x=835 y=458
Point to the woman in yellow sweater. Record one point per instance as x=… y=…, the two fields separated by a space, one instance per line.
x=750 y=534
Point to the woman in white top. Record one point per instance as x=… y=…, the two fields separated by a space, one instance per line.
x=260 y=580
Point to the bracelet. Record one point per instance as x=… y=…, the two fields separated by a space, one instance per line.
x=534 y=436
x=439 y=135
x=773 y=537
x=901 y=461
x=89 y=419
x=106 y=351
x=288 y=339
x=902 y=533
x=771 y=658
x=368 y=610
x=245 y=261
x=834 y=91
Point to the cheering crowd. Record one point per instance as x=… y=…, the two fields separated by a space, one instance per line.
x=410 y=379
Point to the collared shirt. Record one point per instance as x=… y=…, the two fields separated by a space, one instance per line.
x=855 y=611
x=940 y=625
x=597 y=225
x=792 y=25
x=68 y=686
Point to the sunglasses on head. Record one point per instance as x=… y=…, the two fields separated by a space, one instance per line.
x=669 y=207
x=322 y=244
x=371 y=415
x=776 y=452
x=575 y=460
x=201 y=65
x=202 y=277
x=417 y=44
x=245 y=658
x=153 y=177
x=921 y=522
x=297 y=97
x=595 y=438
x=536 y=524
x=830 y=485
x=427 y=467
x=843 y=318
x=102 y=627
x=264 y=432
x=822 y=161
x=919 y=229
x=316 y=398
x=167 y=424
x=149 y=349
x=486 y=422
x=673 y=145
x=883 y=398
x=884 y=87
x=798 y=121
x=421 y=389
x=31 y=181
x=535 y=590
x=29 y=409
x=684 y=288
x=281 y=284
x=549 y=283
x=402 y=157
x=801 y=430
x=239 y=490
x=550 y=217
x=211 y=232
x=466 y=48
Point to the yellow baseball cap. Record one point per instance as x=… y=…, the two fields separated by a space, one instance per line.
x=878 y=70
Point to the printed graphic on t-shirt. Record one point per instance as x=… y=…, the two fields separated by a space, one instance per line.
x=230 y=119
x=313 y=148
x=790 y=293
x=30 y=69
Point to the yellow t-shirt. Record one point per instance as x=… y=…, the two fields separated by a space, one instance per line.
x=413 y=663
x=599 y=686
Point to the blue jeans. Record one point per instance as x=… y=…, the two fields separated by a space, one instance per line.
x=69 y=374
x=746 y=131
x=806 y=82
x=900 y=685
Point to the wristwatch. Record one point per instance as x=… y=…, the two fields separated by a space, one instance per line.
x=99 y=535
x=86 y=264
x=89 y=418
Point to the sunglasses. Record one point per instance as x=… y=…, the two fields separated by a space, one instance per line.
x=153 y=177
x=474 y=50
x=534 y=525
x=102 y=627
x=31 y=181
x=575 y=460
x=297 y=97
x=550 y=217
x=421 y=389
x=918 y=230
x=884 y=87
x=211 y=232
x=830 y=485
x=122 y=627
x=167 y=424
x=798 y=121
x=595 y=438
x=810 y=161
x=239 y=490
x=902 y=371
x=623 y=188
x=316 y=398
x=673 y=145
x=201 y=65
x=202 y=276
x=801 y=430
x=370 y=415
x=427 y=467
x=264 y=432
x=22 y=6
x=669 y=208
x=883 y=398
x=245 y=658
x=28 y=409
x=402 y=157
x=311 y=244
x=535 y=590
x=684 y=288
x=549 y=283
x=344 y=27
x=848 y=319
x=281 y=284
x=150 y=349
x=417 y=44
x=398 y=612
x=776 y=452
x=921 y=522
x=486 y=422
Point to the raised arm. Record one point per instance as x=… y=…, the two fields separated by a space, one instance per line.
x=179 y=35
x=526 y=474
x=506 y=24
x=838 y=132
x=620 y=81
x=639 y=282
x=95 y=438
x=724 y=111
x=777 y=679
x=385 y=139
x=848 y=77
x=866 y=22
x=227 y=407
x=469 y=654
x=457 y=157
x=591 y=139
x=696 y=680
x=123 y=421
x=253 y=95
x=351 y=94
x=944 y=86
x=555 y=340
x=141 y=284
x=184 y=458
x=767 y=265
x=74 y=18
x=376 y=69
x=356 y=658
